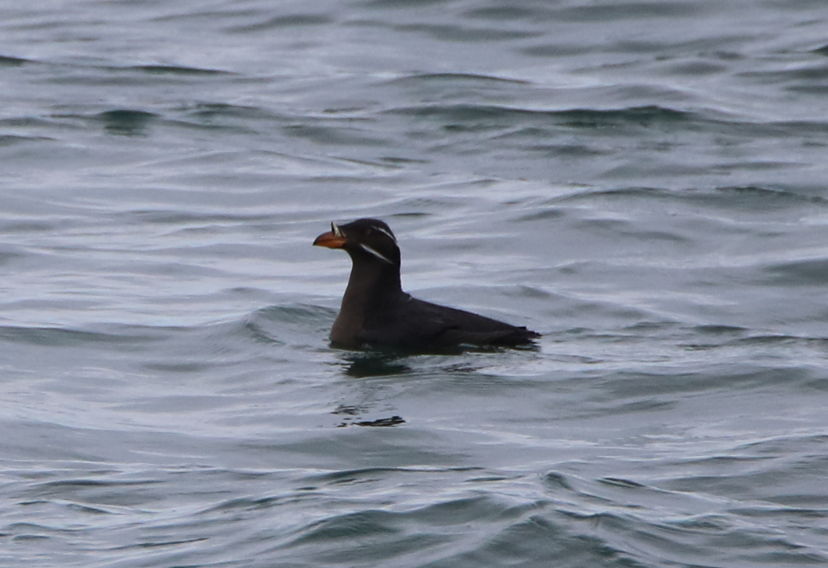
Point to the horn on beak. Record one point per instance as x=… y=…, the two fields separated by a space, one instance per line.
x=334 y=239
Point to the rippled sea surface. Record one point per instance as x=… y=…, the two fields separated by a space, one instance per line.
x=645 y=183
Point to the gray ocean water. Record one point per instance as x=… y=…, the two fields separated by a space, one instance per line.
x=645 y=183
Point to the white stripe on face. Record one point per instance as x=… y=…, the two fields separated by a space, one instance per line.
x=368 y=249
x=336 y=230
x=383 y=231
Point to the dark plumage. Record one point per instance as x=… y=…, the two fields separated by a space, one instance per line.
x=377 y=314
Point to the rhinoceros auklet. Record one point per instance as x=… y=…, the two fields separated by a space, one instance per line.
x=377 y=314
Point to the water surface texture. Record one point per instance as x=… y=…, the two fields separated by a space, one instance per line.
x=645 y=183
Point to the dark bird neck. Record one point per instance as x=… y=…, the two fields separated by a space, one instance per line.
x=373 y=289
x=372 y=285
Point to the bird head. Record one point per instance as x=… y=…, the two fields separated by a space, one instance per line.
x=369 y=239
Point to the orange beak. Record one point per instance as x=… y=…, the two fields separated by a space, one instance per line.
x=335 y=239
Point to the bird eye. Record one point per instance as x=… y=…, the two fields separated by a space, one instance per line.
x=367 y=232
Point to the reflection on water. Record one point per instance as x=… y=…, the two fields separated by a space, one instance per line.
x=373 y=364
